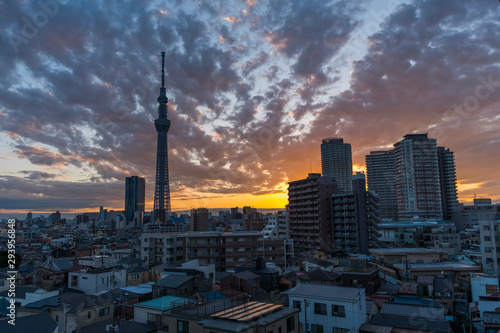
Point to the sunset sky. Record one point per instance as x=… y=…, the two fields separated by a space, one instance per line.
x=253 y=88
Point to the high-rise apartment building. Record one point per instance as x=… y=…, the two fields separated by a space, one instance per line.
x=336 y=162
x=417 y=177
x=355 y=219
x=199 y=219
x=135 y=197
x=310 y=212
x=448 y=178
x=381 y=179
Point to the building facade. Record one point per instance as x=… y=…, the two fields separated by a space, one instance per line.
x=336 y=162
x=448 y=179
x=355 y=219
x=199 y=219
x=381 y=179
x=417 y=178
x=225 y=250
x=310 y=211
x=135 y=198
x=329 y=308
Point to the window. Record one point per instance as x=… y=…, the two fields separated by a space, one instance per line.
x=290 y=324
x=104 y=311
x=89 y=314
x=487 y=249
x=491 y=289
x=154 y=319
x=320 y=308
x=135 y=277
x=182 y=326
x=340 y=330
x=279 y=329
x=338 y=310
x=57 y=318
x=296 y=305
x=487 y=238
x=316 y=328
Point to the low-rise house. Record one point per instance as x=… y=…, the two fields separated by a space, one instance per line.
x=244 y=281
x=40 y=323
x=268 y=276
x=233 y=316
x=483 y=285
x=46 y=278
x=28 y=294
x=311 y=264
x=320 y=277
x=175 y=285
x=122 y=326
x=138 y=275
x=96 y=261
x=152 y=312
x=329 y=308
x=71 y=310
x=96 y=280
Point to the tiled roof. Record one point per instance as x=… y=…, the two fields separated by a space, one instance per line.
x=411 y=323
x=246 y=275
x=20 y=291
x=173 y=281
x=412 y=311
x=409 y=288
x=40 y=323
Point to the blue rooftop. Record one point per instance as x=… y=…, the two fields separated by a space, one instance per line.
x=164 y=303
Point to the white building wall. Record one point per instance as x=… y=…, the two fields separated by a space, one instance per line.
x=478 y=285
x=355 y=313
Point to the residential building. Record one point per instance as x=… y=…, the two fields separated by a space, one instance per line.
x=135 y=198
x=417 y=177
x=233 y=316
x=42 y=322
x=483 y=285
x=98 y=280
x=490 y=246
x=225 y=250
x=71 y=310
x=230 y=249
x=310 y=212
x=199 y=219
x=152 y=312
x=481 y=210
x=381 y=179
x=329 y=308
x=336 y=162
x=441 y=234
x=448 y=180
x=409 y=314
x=355 y=219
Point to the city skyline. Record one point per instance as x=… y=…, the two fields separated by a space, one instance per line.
x=253 y=88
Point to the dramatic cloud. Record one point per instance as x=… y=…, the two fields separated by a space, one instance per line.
x=253 y=87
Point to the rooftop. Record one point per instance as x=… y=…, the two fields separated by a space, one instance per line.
x=449 y=265
x=164 y=303
x=410 y=250
x=326 y=292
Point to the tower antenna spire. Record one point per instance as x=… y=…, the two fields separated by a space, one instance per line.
x=163 y=69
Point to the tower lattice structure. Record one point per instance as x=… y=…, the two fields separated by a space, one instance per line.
x=162 y=124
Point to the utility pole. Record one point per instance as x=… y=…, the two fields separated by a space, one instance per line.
x=306 y=305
